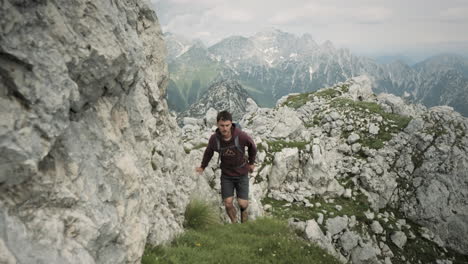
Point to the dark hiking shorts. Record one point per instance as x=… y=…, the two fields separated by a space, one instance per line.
x=239 y=183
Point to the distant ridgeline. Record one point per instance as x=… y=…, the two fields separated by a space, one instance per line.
x=272 y=64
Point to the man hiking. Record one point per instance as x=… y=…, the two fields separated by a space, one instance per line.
x=230 y=142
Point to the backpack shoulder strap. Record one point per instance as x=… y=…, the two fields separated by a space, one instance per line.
x=218 y=149
x=236 y=142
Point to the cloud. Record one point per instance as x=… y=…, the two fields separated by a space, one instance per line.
x=332 y=14
x=182 y=22
x=359 y=23
x=454 y=15
x=202 y=34
x=229 y=14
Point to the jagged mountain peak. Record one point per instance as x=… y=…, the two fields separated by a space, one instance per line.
x=328 y=46
x=232 y=42
x=176 y=45
x=197 y=43
x=272 y=33
x=197 y=53
x=232 y=49
x=307 y=39
x=224 y=94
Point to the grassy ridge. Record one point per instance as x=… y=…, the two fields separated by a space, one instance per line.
x=265 y=240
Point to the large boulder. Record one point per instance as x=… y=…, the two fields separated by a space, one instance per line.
x=87 y=147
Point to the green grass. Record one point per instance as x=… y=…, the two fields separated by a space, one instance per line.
x=344 y=88
x=296 y=101
x=199 y=215
x=328 y=93
x=264 y=240
x=299 y=211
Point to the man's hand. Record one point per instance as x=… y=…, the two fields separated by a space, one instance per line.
x=199 y=170
x=251 y=167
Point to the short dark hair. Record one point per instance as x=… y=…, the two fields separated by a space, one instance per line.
x=224 y=115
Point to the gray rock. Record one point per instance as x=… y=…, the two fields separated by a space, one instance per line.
x=92 y=164
x=192 y=121
x=398 y=238
x=376 y=227
x=443 y=261
x=314 y=234
x=335 y=115
x=348 y=193
x=5 y=255
x=349 y=240
x=374 y=129
x=337 y=224
x=361 y=89
x=356 y=147
x=365 y=253
x=210 y=117
x=353 y=138
x=369 y=214
x=320 y=218
x=285 y=123
x=285 y=163
x=386 y=251
x=252 y=106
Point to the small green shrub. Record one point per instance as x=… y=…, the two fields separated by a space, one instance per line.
x=200 y=215
x=328 y=93
x=296 y=101
x=199 y=146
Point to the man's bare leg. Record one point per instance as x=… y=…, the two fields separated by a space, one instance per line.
x=243 y=204
x=230 y=209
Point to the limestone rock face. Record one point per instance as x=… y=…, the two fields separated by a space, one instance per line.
x=437 y=172
x=91 y=165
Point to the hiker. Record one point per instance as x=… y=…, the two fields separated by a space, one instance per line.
x=230 y=142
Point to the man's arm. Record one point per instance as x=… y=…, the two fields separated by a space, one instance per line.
x=252 y=151
x=207 y=155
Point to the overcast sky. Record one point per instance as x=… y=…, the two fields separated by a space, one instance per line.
x=364 y=26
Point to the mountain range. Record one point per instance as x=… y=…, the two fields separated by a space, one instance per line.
x=274 y=63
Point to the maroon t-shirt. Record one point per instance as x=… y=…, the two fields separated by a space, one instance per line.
x=231 y=158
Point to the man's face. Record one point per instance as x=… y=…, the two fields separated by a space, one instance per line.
x=225 y=127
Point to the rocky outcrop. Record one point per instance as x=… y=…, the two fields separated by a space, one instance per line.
x=383 y=177
x=91 y=163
